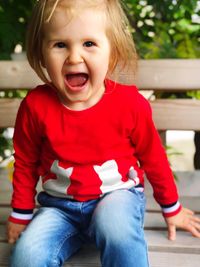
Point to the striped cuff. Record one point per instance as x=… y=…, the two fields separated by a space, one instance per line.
x=21 y=216
x=172 y=209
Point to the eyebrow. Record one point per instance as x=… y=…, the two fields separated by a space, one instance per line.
x=62 y=39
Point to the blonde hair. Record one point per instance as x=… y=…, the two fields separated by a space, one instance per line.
x=123 y=51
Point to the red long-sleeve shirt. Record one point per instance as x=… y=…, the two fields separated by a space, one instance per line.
x=84 y=154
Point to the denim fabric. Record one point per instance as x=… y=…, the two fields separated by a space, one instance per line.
x=60 y=227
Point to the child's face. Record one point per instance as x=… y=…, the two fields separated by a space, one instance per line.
x=76 y=55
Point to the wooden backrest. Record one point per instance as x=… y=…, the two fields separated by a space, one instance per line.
x=156 y=75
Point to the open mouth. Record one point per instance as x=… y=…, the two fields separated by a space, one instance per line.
x=76 y=80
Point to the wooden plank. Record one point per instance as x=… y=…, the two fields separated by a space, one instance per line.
x=188 y=183
x=5 y=251
x=17 y=75
x=8 y=111
x=5 y=198
x=184 y=243
x=167 y=114
x=157 y=241
x=152 y=74
x=5 y=183
x=89 y=256
x=176 y=114
x=167 y=259
x=192 y=203
x=169 y=74
x=151 y=205
x=4 y=214
x=153 y=220
x=3 y=237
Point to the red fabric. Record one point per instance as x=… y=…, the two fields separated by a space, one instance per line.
x=170 y=214
x=18 y=221
x=119 y=128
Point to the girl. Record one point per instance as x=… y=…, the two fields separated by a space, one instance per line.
x=90 y=140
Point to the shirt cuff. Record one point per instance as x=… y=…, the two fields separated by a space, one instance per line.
x=21 y=216
x=171 y=210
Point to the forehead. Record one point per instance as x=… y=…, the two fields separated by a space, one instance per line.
x=83 y=21
x=72 y=7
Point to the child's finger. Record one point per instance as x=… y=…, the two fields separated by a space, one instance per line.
x=194 y=231
x=196 y=219
x=171 y=232
x=11 y=240
x=196 y=225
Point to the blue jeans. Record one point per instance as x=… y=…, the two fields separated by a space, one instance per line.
x=60 y=228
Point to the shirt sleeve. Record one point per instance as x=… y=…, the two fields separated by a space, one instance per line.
x=152 y=158
x=27 y=143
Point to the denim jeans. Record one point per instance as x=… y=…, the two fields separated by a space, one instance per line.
x=60 y=228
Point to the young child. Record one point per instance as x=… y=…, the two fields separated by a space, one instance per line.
x=90 y=140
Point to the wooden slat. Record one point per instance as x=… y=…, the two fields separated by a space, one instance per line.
x=157 y=245
x=4 y=214
x=184 y=243
x=188 y=183
x=153 y=220
x=167 y=259
x=176 y=114
x=3 y=233
x=169 y=74
x=192 y=203
x=17 y=75
x=168 y=114
x=157 y=241
x=8 y=111
x=188 y=186
x=157 y=259
x=152 y=74
x=5 y=250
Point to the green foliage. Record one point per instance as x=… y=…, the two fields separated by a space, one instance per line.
x=14 y=16
x=165 y=28
x=13 y=93
x=6 y=142
x=161 y=28
x=5 y=145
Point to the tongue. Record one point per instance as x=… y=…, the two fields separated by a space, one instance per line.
x=78 y=79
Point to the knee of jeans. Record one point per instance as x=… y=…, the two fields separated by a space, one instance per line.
x=109 y=227
x=117 y=218
x=116 y=231
x=26 y=253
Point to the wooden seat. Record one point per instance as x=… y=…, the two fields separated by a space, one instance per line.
x=176 y=114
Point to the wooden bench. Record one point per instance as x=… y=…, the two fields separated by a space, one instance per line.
x=179 y=114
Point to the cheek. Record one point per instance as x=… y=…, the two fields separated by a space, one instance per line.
x=52 y=64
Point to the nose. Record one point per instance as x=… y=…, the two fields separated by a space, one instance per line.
x=74 y=57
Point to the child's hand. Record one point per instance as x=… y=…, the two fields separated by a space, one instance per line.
x=186 y=220
x=13 y=231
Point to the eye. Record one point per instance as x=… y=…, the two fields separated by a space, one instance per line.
x=60 y=45
x=89 y=44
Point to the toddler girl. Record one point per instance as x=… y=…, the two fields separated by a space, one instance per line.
x=90 y=140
